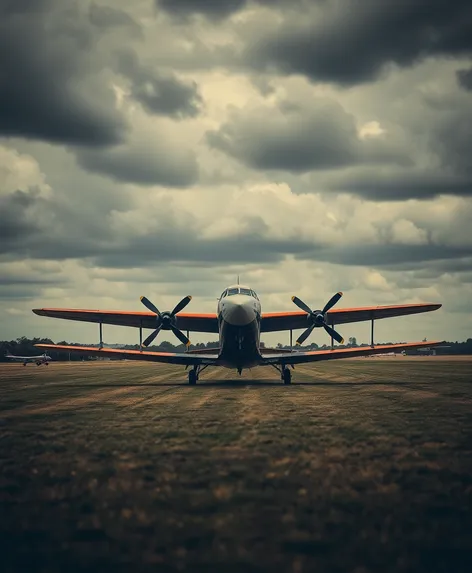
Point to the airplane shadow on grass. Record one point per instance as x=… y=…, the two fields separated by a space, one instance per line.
x=242 y=383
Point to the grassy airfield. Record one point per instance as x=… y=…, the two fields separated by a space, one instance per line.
x=361 y=465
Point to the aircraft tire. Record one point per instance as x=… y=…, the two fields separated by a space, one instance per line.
x=287 y=376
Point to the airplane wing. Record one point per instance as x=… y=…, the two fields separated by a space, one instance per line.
x=182 y=358
x=318 y=355
x=185 y=321
x=275 y=321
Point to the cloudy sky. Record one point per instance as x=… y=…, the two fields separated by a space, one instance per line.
x=310 y=146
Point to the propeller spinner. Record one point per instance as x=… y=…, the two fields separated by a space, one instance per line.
x=166 y=320
x=318 y=318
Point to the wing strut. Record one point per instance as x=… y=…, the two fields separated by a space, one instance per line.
x=332 y=340
x=372 y=332
x=101 y=335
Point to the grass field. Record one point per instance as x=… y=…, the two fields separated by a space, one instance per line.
x=360 y=465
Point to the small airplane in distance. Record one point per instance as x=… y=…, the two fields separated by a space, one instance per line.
x=432 y=351
x=402 y=353
x=42 y=359
x=239 y=323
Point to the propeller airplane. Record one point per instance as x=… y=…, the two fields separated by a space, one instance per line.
x=239 y=322
x=41 y=359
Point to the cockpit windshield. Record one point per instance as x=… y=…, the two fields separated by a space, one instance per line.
x=239 y=290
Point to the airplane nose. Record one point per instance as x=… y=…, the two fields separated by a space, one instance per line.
x=239 y=311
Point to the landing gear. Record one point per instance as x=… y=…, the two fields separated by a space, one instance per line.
x=194 y=374
x=286 y=376
x=284 y=371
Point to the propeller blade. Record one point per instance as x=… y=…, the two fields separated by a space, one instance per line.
x=152 y=336
x=182 y=304
x=305 y=335
x=334 y=334
x=148 y=304
x=180 y=335
x=332 y=301
x=301 y=304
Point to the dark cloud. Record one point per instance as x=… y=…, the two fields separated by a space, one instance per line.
x=399 y=185
x=288 y=138
x=450 y=137
x=45 y=227
x=161 y=93
x=423 y=153
x=353 y=43
x=143 y=163
x=214 y=9
x=395 y=256
x=464 y=77
x=17 y=217
x=299 y=138
x=182 y=246
x=19 y=293
x=53 y=84
x=106 y=17
x=217 y=10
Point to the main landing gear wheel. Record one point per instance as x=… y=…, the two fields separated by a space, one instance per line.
x=192 y=377
x=287 y=376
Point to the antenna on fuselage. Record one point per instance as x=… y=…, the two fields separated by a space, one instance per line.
x=238 y=279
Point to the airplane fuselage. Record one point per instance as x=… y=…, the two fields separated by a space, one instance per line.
x=239 y=324
x=43 y=359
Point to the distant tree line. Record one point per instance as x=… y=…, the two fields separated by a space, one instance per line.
x=24 y=346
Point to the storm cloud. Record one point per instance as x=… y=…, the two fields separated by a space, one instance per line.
x=144 y=160
x=298 y=137
x=353 y=43
x=214 y=9
x=160 y=93
x=53 y=84
x=464 y=77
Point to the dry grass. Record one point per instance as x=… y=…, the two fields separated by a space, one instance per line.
x=360 y=465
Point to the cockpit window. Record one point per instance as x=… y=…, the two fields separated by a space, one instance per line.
x=246 y=291
x=232 y=291
x=254 y=295
x=224 y=294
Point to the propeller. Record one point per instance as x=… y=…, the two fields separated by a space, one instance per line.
x=318 y=318
x=166 y=320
